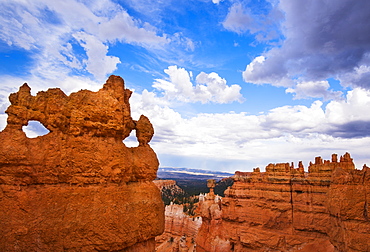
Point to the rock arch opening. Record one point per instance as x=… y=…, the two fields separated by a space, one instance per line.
x=131 y=140
x=35 y=129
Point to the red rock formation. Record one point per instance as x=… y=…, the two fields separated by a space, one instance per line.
x=78 y=188
x=167 y=184
x=180 y=229
x=285 y=209
x=170 y=191
x=348 y=206
x=177 y=225
x=211 y=236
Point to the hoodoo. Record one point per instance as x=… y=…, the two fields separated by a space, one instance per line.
x=78 y=188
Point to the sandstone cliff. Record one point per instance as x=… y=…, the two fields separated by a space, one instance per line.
x=78 y=188
x=180 y=230
x=170 y=191
x=286 y=209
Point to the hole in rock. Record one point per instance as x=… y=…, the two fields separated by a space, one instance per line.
x=3 y=118
x=35 y=129
x=131 y=140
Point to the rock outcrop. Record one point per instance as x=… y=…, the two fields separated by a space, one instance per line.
x=169 y=187
x=286 y=209
x=78 y=188
x=211 y=235
x=170 y=191
x=180 y=230
x=348 y=206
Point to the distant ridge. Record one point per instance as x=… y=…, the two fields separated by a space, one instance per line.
x=190 y=173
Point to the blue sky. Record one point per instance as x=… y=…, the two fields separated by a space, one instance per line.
x=228 y=85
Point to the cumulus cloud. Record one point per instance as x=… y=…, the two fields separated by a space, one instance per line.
x=254 y=73
x=295 y=118
x=353 y=108
x=333 y=44
x=208 y=87
x=350 y=118
x=314 y=89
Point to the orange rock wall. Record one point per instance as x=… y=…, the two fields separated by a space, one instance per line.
x=78 y=188
x=212 y=234
x=178 y=223
x=285 y=209
x=348 y=206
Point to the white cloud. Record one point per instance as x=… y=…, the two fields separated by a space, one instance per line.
x=254 y=73
x=265 y=27
x=179 y=39
x=216 y=1
x=48 y=28
x=239 y=19
x=124 y=28
x=314 y=89
x=208 y=88
x=213 y=88
x=354 y=108
x=296 y=118
x=97 y=63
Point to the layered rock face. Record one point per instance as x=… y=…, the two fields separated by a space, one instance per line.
x=212 y=235
x=286 y=209
x=348 y=206
x=169 y=188
x=78 y=188
x=180 y=230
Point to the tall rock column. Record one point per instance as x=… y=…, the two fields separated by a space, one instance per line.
x=211 y=234
x=78 y=188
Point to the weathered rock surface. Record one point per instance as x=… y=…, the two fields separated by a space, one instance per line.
x=169 y=185
x=286 y=209
x=180 y=230
x=211 y=235
x=170 y=191
x=78 y=188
